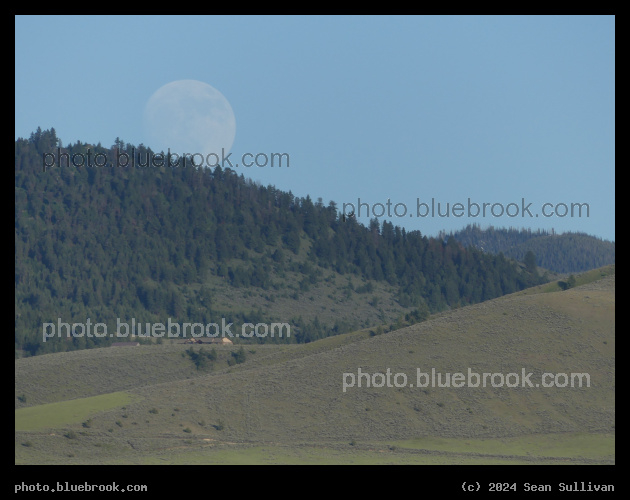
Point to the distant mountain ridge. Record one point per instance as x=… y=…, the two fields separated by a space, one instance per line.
x=569 y=252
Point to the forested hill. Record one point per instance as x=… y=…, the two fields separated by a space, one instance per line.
x=110 y=242
x=563 y=253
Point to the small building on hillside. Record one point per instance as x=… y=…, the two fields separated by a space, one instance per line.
x=222 y=340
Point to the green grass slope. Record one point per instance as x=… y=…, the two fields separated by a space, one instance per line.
x=290 y=400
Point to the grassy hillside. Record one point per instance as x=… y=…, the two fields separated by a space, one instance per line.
x=286 y=404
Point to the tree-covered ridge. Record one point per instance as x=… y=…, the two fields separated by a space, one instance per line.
x=563 y=253
x=119 y=242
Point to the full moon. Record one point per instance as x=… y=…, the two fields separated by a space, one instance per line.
x=189 y=116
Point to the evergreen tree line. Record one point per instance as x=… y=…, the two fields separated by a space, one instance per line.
x=119 y=242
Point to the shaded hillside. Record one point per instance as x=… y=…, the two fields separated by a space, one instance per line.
x=294 y=397
x=152 y=243
x=562 y=253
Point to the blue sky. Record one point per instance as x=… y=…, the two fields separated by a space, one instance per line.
x=493 y=109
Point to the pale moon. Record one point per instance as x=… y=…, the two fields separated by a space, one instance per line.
x=189 y=116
